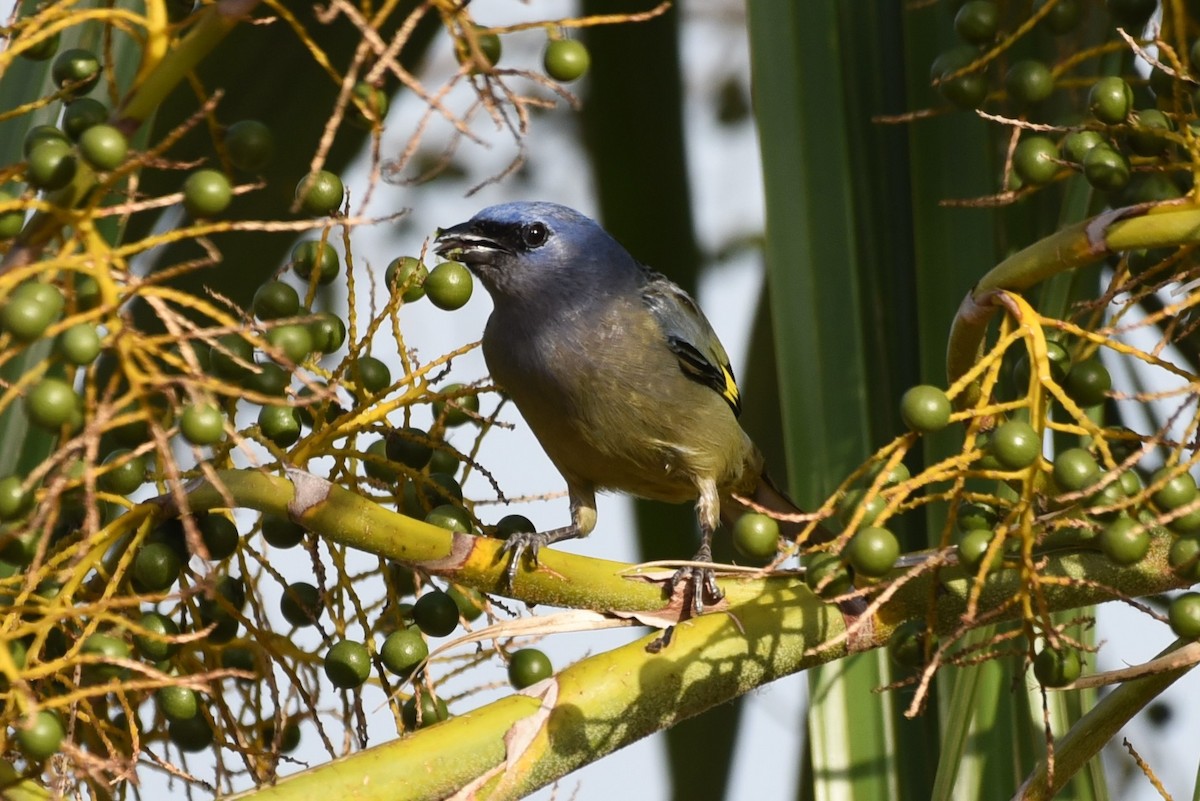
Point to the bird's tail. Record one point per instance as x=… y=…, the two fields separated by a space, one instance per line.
x=769 y=499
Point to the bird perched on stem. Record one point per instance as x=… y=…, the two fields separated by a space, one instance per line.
x=616 y=370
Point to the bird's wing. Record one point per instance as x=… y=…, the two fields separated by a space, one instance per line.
x=690 y=337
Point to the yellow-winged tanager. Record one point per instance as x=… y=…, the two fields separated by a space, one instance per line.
x=616 y=370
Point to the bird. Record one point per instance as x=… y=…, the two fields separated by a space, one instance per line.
x=616 y=370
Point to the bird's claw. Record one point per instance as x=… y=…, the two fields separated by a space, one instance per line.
x=516 y=547
x=703 y=586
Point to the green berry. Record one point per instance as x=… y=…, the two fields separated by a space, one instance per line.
x=826 y=575
x=1106 y=169
x=1106 y=502
x=177 y=703
x=240 y=658
x=407 y=276
x=280 y=532
x=527 y=667
x=250 y=145
x=1178 y=490
x=294 y=341
x=300 y=604
x=965 y=91
x=51 y=165
x=1184 y=557
x=156 y=567
x=443 y=460
x=26 y=318
x=39 y=134
x=347 y=664
x=79 y=344
x=514 y=524
x=436 y=614
x=104 y=147
x=372 y=374
x=431 y=710
x=1016 y=445
x=1076 y=145
x=230 y=356
x=280 y=424
x=268 y=378
x=1125 y=541
x=450 y=517
x=1075 y=469
x=312 y=254
x=76 y=71
x=1184 y=615
x=872 y=551
x=907 y=644
x=40 y=736
x=471 y=602
x=369 y=105
x=43 y=48
x=756 y=536
x=82 y=114
x=220 y=535
x=1057 y=668
x=438 y=488
x=328 y=332
x=107 y=648
x=153 y=646
x=856 y=499
x=449 y=286
x=403 y=650
x=489 y=51
x=15 y=501
x=1148 y=137
x=320 y=193
x=380 y=467
x=973 y=547
x=124 y=473
x=456 y=411
x=1035 y=160
x=51 y=403
x=925 y=409
x=1064 y=17
x=410 y=447
x=202 y=423
x=1088 y=382
x=1029 y=82
x=192 y=735
x=289 y=740
x=566 y=59
x=11 y=222
x=897 y=474
x=274 y=300
x=1110 y=100
x=206 y=193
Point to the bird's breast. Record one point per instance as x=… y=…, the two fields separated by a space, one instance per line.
x=607 y=401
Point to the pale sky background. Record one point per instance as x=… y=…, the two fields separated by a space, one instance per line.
x=726 y=182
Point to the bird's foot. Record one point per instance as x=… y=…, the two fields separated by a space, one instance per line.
x=698 y=583
x=530 y=542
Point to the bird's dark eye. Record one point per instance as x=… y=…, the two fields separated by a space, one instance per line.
x=534 y=235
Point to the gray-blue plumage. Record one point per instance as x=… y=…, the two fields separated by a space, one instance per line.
x=615 y=368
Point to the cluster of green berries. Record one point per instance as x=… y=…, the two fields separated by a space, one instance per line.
x=1121 y=509
x=1116 y=135
x=872 y=551
x=563 y=59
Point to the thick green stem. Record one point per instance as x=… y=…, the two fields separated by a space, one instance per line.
x=1078 y=246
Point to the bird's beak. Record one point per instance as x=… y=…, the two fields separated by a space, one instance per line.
x=465 y=243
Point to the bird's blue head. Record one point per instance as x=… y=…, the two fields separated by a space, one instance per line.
x=526 y=251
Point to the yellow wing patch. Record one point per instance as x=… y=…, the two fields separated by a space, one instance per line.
x=731 y=393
